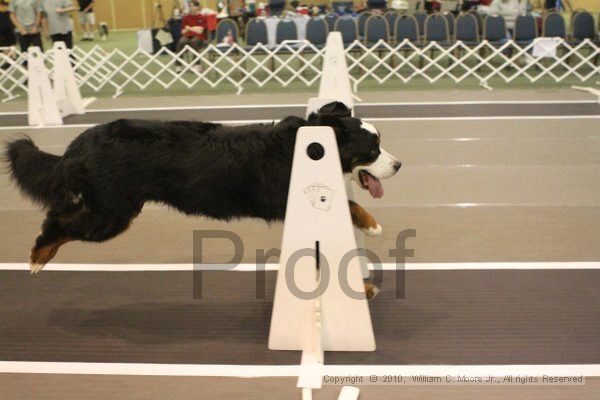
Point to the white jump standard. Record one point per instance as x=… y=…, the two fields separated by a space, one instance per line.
x=320 y=302
x=49 y=104
x=325 y=308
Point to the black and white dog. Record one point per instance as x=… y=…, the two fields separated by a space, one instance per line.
x=99 y=185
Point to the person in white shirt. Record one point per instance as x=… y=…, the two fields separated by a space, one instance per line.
x=509 y=9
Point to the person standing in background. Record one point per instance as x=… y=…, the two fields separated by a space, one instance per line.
x=7 y=34
x=7 y=29
x=26 y=16
x=87 y=19
x=57 y=22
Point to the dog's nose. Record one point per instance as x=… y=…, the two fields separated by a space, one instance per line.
x=397 y=165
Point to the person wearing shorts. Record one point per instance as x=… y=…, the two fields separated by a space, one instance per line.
x=87 y=18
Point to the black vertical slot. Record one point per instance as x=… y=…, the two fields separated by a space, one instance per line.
x=317 y=253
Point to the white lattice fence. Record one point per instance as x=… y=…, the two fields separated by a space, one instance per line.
x=482 y=63
x=13 y=74
x=300 y=63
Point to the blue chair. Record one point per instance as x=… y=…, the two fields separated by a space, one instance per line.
x=391 y=17
x=554 y=26
x=575 y=12
x=466 y=30
x=362 y=20
x=525 y=30
x=286 y=30
x=330 y=20
x=421 y=17
x=347 y=27
x=450 y=18
x=316 y=32
x=224 y=27
x=479 y=20
x=256 y=32
x=494 y=30
x=407 y=27
x=583 y=27
x=436 y=29
x=376 y=29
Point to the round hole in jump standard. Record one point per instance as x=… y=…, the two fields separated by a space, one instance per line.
x=315 y=151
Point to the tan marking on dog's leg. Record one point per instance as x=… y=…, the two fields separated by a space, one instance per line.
x=363 y=220
x=371 y=290
x=41 y=256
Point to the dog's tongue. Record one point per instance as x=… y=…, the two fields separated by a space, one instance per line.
x=375 y=187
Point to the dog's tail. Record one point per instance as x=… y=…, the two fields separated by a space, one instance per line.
x=37 y=174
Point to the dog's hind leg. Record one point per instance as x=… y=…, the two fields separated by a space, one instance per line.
x=84 y=225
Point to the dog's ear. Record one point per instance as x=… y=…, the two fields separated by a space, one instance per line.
x=331 y=120
x=335 y=108
x=312 y=118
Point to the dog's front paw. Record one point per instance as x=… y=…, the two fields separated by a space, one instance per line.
x=373 y=231
x=371 y=290
x=35 y=264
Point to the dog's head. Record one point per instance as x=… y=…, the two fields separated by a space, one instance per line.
x=359 y=144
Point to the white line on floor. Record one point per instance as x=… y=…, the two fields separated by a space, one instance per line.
x=25 y=127
x=485 y=118
x=471 y=266
x=471 y=102
x=154 y=207
x=256 y=371
x=174 y=108
x=383 y=119
x=267 y=106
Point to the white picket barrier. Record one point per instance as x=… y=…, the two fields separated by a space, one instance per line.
x=294 y=62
